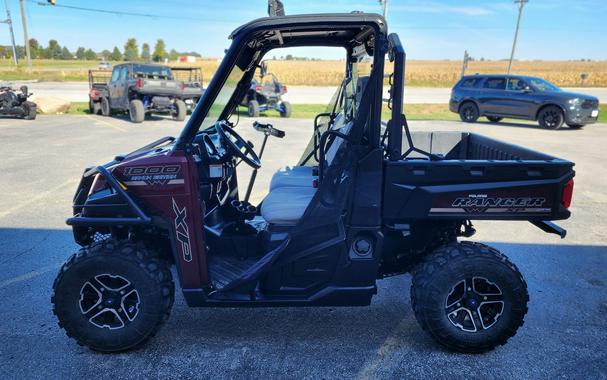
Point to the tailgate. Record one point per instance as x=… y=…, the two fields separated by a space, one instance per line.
x=159 y=87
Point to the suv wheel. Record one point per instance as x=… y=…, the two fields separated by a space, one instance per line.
x=253 y=108
x=112 y=296
x=469 y=297
x=494 y=119
x=551 y=117
x=136 y=111
x=180 y=110
x=468 y=112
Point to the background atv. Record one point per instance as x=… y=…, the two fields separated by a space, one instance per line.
x=265 y=94
x=16 y=104
x=362 y=203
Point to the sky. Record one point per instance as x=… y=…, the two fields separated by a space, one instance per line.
x=435 y=29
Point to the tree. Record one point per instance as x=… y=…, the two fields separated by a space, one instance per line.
x=34 y=48
x=159 y=51
x=90 y=55
x=66 y=54
x=53 y=51
x=145 y=52
x=116 y=54
x=131 y=51
x=81 y=53
x=289 y=57
x=173 y=55
x=106 y=54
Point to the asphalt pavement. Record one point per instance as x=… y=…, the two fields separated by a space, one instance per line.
x=564 y=336
x=78 y=92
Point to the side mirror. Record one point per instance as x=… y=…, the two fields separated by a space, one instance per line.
x=527 y=90
x=263 y=68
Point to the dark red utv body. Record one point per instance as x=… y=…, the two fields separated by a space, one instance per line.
x=387 y=202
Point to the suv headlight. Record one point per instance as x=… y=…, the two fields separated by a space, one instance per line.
x=575 y=101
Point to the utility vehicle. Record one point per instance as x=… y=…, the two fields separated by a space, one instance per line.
x=16 y=104
x=266 y=94
x=138 y=89
x=363 y=203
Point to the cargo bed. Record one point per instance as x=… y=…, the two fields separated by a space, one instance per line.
x=474 y=177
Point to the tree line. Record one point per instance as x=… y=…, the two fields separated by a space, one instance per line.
x=130 y=52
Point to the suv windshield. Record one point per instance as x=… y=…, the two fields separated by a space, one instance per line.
x=543 y=85
x=152 y=72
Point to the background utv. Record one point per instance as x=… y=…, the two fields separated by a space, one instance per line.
x=521 y=97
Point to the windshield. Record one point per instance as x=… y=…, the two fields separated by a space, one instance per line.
x=543 y=85
x=152 y=72
x=222 y=99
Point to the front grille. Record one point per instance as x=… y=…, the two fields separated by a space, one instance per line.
x=590 y=103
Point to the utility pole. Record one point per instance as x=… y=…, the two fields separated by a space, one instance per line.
x=384 y=3
x=26 y=41
x=521 y=4
x=10 y=27
x=465 y=63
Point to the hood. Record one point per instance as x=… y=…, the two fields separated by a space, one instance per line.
x=570 y=95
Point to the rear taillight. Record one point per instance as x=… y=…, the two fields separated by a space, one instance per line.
x=258 y=88
x=284 y=89
x=139 y=83
x=567 y=194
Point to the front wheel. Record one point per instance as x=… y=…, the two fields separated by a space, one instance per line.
x=468 y=112
x=253 y=108
x=112 y=296
x=30 y=110
x=105 y=107
x=551 y=117
x=469 y=297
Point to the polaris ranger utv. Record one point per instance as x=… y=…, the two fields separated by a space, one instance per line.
x=363 y=203
x=266 y=94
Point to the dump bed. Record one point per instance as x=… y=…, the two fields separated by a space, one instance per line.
x=475 y=177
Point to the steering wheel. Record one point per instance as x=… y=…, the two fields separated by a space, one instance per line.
x=237 y=145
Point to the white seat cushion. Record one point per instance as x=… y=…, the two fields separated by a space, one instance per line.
x=293 y=176
x=286 y=205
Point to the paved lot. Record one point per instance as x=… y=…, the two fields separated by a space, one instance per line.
x=78 y=92
x=564 y=336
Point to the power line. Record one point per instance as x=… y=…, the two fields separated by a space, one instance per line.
x=112 y=12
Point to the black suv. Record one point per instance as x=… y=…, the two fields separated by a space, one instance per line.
x=521 y=97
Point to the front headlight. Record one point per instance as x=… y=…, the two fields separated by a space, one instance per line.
x=575 y=102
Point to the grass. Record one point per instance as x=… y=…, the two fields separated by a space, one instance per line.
x=309 y=111
x=330 y=72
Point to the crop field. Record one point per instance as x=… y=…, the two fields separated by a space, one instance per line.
x=323 y=73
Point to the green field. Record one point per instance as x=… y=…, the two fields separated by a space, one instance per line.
x=309 y=111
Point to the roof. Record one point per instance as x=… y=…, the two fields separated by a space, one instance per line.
x=498 y=76
x=320 y=21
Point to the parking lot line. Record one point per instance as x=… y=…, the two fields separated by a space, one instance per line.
x=107 y=123
x=29 y=275
x=36 y=198
x=388 y=346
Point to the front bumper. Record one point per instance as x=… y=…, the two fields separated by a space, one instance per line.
x=582 y=116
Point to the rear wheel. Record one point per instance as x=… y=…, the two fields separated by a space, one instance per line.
x=469 y=297
x=105 y=107
x=94 y=107
x=551 y=117
x=112 y=296
x=286 y=109
x=30 y=110
x=468 y=112
x=494 y=119
x=136 y=111
x=253 y=108
x=180 y=110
